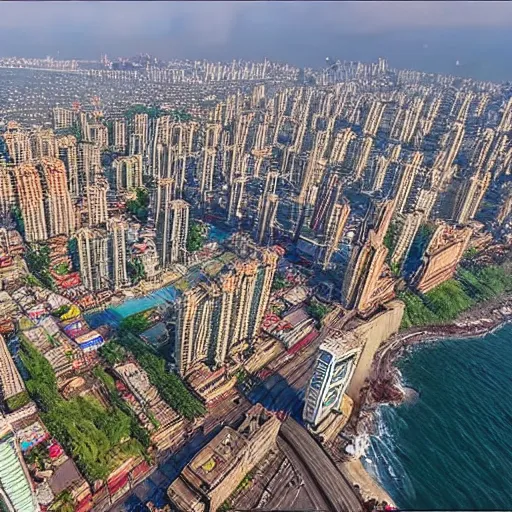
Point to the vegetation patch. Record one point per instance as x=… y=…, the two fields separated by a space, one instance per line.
x=196 y=237
x=170 y=386
x=139 y=206
x=97 y=438
x=17 y=401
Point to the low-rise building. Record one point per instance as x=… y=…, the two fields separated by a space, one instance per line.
x=215 y=472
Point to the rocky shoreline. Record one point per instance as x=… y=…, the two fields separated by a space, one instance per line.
x=385 y=385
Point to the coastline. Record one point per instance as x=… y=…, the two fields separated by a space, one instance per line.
x=385 y=386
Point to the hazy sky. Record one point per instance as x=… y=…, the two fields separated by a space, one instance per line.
x=427 y=35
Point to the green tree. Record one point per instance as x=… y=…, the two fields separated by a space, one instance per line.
x=136 y=270
x=170 y=386
x=139 y=206
x=195 y=239
x=112 y=353
x=134 y=324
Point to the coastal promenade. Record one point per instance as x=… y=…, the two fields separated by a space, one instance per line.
x=330 y=489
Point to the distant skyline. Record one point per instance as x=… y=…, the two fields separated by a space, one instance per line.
x=429 y=36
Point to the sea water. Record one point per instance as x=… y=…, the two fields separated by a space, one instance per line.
x=451 y=448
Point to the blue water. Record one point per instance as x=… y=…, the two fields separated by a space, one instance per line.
x=113 y=315
x=451 y=448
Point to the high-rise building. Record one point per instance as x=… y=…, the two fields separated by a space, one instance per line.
x=374 y=118
x=334 y=231
x=469 y=197
x=118 y=135
x=16 y=492
x=139 y=133
x=93 y=256
x=60 y=213
x=236 y=200
x=7 y=192
x=96 y=194
x=67 y=151
x=506 y=118
x=367 y=281
x=216 y=320
x=404 y=186
x=89 y=164
x=128 y=172
x=407 y=226
x=118 y=272
x=43 y=144
x=172 y=232
x=18 y=145
x=31 y=202
x=63 y=118
x=267 y=210
x=99 y=135
x=327 y=197
x=441 y=257
x=336 y=361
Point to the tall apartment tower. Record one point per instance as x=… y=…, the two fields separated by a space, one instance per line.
x=506 y=118
x=469 y=197
x=374 y=118
x=267 y=210
x=16 y=492
x=236 y=198
x=93 y=257
x=60 y=213
x=404 y=186
x=67 y=151
x=172 y=232
x=128 y=172
x=63 y=118
x=366 y=283
x=18 y=145
x=335 y=365
x=209 y=159
x=117 y=229
x=31 y=202
x=215 y=320
x=43 y=144
x=7 y=192
x=97 y=202
x=139 y=133
x=334 y=231
x=327 y=197
x=89 y=164
x=118 y=135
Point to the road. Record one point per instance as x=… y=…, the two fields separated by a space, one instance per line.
x=330 y=490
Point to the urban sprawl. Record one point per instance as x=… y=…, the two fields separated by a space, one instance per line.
x=199 y=262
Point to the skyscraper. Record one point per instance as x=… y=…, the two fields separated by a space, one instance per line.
x=67 y=151
x=96 y=194
x=60 y=213
x=216 y=319
x=367 y=281
x=31 y=202
x=335 y=364
x=172 y=232
x=18 y=144
x=93 y=257
x=117 y=228
x=127 y=172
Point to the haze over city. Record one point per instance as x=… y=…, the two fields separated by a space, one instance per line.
x=255 y=256
x=429 y=36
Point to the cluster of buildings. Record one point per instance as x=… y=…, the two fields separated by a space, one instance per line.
x=373 y=178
